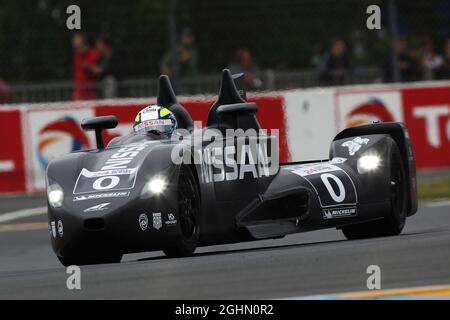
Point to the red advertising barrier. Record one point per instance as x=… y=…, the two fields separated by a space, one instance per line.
x=307 y=120
x=424 y=109
x=12 y=165
x=427 y=115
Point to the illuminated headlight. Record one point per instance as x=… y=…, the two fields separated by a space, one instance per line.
x=157 y=185
x=368 y=163
x=55 y=195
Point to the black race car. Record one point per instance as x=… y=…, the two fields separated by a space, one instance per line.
x=135 y=195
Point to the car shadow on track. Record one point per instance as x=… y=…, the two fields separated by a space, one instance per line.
x=254 y=249
x=301 y=245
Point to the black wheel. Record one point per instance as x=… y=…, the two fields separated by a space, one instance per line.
x=394 y=220
x=80 y=261
x=188 y=213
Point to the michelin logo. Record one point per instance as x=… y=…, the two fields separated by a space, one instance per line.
x=339 y=213
x=102 y=195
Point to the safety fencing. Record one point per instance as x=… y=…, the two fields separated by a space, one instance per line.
x=146 y=87
x=307 y=119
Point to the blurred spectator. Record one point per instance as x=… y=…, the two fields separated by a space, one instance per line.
x=430 y=61
x=337 y=64
x=84 y=59
x=408 y=67
x=243 y=62
x=187 y=57
x=317 y=58
x=444 y=71
x=5 y=92
x=109 y=67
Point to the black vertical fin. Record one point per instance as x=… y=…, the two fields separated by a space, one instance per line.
x=165 y=96
x=239 y=82
x=228 y=93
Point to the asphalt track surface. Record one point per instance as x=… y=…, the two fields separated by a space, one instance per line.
x=314 y=263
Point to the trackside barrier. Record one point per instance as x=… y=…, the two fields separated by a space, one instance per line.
x=307 y=120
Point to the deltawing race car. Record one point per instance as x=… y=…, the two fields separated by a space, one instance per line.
x=221 y=184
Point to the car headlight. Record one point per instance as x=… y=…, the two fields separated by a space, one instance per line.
x=155 y=186
x=55 y=195
x=368 y=163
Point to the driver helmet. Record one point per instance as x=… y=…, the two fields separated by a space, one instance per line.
x=156 y=120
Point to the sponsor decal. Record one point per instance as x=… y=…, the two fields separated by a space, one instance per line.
x=89 y=181
x=157 y=220
x=116 y=172
x=313 y=168
x=60 y=228
x=124 y=156
x=333 y=213
x=240 y=161
x=338 y=160
x=98 y=207
x=355 y=144
x=102 y=195
x=171 y=221
x=333 y=185
x=150 y=112
x=151 y=123
x=53 y=226
x=143 y=221
x=235 y=155
x=114 y=175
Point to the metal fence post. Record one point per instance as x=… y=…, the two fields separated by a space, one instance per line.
x=393 y=39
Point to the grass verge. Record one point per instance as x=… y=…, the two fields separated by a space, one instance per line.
x=434 y=189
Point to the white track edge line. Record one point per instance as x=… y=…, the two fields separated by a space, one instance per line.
x=25 y=213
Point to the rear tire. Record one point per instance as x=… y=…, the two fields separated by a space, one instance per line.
x=80 y=261
x=189 y=215
x=392 y=224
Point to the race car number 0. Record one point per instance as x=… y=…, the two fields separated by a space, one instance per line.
x=333 y=188
x=325 y=179
x=113 y=182
x=88 y=182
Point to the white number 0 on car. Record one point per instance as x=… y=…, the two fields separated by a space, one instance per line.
x=111 y=180
x=333 y=185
